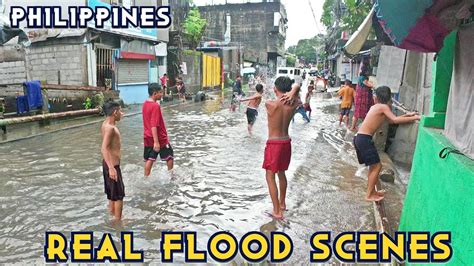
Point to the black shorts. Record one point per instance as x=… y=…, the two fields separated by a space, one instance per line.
x=115 y=190
x=251 y=116
x=366 y=152
x=166 y=153
x=345 y=111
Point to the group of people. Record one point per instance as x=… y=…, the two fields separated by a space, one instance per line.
x=277 y=154
x=180 y=87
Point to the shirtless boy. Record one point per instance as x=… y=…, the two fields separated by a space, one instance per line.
x=278 y=149
x=252 y=107
x=366 y=152
x=113 y=182
x=307 y=99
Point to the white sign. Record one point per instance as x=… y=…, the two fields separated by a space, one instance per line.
x=184 y=68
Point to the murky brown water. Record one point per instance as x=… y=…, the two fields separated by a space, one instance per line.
x=54 y=182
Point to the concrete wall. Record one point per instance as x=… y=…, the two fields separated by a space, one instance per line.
x=12 y=72
x=252 y=27
x=415 y=93
x=439 y=195
x=54 y=61
x=193 y=79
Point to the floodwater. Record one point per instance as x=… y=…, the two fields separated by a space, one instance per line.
x=54 y=182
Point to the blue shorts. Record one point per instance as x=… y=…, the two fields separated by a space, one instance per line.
x=345 y=111
x=366 y=152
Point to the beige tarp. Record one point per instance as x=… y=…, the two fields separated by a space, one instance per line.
x=357 y=40
x=460 y=112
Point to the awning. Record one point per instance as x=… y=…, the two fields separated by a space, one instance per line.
x=358 y=39
x=424 y=23
x=138 y=56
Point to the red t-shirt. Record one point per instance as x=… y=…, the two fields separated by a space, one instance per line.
x=152 y=117
x=164 y=81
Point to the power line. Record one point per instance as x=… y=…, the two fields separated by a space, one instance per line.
x=314 y=16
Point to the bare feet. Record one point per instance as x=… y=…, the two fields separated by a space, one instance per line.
x=278 y=216
x=374 y=197
x=381 y=192
x=275 y=215
x=283 y=208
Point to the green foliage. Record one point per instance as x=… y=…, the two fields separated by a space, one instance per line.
x=349 y=20
x=98 y=100
x=355 y=14
x=308 y=49
x=87 y=103
x=290 y=60
x=194 y=26
x=327 y=18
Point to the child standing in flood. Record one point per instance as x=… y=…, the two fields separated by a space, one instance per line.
x=347 y=94
x=252 y=107
x=307 y=99
x=111 y=145
x=278 y=148
x=366 y=151
x=155 y=136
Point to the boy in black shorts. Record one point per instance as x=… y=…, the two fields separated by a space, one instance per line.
x=366 y=151
x=252 y=107
x=155 y=136
x=111 y=144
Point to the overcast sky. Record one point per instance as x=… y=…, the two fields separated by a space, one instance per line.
x=301 y=24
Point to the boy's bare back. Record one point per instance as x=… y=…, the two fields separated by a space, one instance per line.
x=279 y=118
x=111 y=140
x=378 y=113
x=254 y=103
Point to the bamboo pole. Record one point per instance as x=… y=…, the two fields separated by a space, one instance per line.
x=71 y=87
x=19 y=120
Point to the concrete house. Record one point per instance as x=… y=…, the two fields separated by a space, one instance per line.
x=124 y=60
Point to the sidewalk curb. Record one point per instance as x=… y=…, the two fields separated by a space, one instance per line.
x=381 y=221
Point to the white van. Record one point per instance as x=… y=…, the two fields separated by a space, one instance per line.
x=291 y=72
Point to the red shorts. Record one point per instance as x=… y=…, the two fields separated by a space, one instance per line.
x=277 y=155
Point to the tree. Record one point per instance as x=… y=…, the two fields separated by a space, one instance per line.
x=290 y=60
x=356 y=12
x=327 y=18
x=349 y=13
x=194 y=26
x=308 y=49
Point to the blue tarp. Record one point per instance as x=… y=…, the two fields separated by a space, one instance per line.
x=33 y=92
x=22 y=105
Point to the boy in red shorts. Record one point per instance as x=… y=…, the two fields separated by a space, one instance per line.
x=155 y=136
x=278 y=150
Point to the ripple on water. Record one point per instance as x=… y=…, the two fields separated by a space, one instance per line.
x=218 y=183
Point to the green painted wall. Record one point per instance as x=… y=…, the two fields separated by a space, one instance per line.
x=440 y=195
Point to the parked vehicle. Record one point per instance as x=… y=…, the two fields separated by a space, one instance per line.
x=291 y=72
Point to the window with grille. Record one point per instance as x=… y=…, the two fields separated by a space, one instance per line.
x=104 y=62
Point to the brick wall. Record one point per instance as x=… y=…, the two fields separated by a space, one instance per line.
x=12 y=72
x=58 y=62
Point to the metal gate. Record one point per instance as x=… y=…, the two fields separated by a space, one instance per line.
x=105 y=68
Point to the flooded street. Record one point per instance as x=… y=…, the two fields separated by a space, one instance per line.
x=54 y=183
